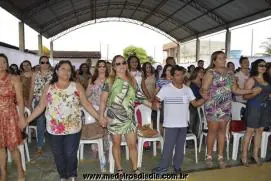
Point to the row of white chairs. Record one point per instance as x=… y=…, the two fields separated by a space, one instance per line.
x=237 y=136
x=146 y=119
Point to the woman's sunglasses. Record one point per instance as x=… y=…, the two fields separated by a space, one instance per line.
x=44 y=62
x=123 y=63
x=261 y=65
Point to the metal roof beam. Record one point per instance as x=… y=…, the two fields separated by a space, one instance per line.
x=138 y=5
x=74 y=12
x=172 y=14
x=162 y=3
x=39 y=6
x=54 y=13
x=108 y=4
x=93 y=10
x=123 y=8
x=209 y=11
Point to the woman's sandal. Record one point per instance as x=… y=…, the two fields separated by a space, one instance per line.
x=209 y=161
x=221 y=162
x=120 y=171
x=136 y=171
x=256 y=160
x=244 y=162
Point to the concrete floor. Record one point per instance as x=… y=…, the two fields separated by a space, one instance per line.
x=43 y=168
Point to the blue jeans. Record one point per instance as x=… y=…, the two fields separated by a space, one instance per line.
x=64 y=148
x=41 y=120
x=174 y=138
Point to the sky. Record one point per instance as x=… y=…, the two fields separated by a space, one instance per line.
x=112 y=37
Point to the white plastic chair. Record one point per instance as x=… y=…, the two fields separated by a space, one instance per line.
x=111 y=158
x=146 y=119
x=203 y=128
x=98 y=141
x=193 y=137
x=23 y=148
x=264 y=143
x=236 y=115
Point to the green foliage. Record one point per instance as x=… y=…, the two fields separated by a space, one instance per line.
x=138 y=51
x=267 y=46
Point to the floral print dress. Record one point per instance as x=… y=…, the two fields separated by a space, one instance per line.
x=219 y=106
x=120 y=106
x=39 y=84
x=10 y=133
x=63 y=115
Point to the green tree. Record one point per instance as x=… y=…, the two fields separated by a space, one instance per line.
x=267 y=46
x=138 y=51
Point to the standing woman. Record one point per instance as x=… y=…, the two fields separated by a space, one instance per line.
x=38 y=81
x=26 y=76
x=94 y=90
x=258 y=112
x=218 y=83
x=135 y=69
x=84 y=75
x=10 y=133
x=62 y=99
x=119 y=94
x=195 y=85
x=148 y=80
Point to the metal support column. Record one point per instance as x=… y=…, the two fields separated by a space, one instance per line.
x=51 y=49
x=197 y=49
x=40 y=44
x=178 y=53
x=21 y=36
x=228 y=43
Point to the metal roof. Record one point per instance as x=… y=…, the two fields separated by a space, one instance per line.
x=181 y=19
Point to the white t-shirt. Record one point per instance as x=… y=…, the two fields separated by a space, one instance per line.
x=241 y=82
x=176 y=105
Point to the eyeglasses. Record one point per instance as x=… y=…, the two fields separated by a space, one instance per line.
x=262 y=65
x=123 y=63
x=44 y=62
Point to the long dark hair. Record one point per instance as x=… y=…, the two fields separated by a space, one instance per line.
x=6 y=58
x=195 y=73
x=25 y=61
x=96 y=73
x=266 y=74
x=165 y=69
x=129 y=62
x=81 y=71
x=55 y=76
x=254 y=67
x=144 y=69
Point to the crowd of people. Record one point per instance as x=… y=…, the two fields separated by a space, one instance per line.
x=109 y=93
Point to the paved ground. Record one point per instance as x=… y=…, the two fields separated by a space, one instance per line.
x=43 y=168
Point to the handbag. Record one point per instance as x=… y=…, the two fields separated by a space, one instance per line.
x=93 y=131
x=147 y=132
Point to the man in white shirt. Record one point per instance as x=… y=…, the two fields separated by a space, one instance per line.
x=242 y=76
x=176 y=97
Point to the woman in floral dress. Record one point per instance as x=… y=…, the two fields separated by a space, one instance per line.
x=62 y=100
x=94 y=91
x=218 y=84
x=10 y=133
x=38 y=81
x=119 y=94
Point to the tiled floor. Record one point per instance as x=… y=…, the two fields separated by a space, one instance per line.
x=43 y=168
